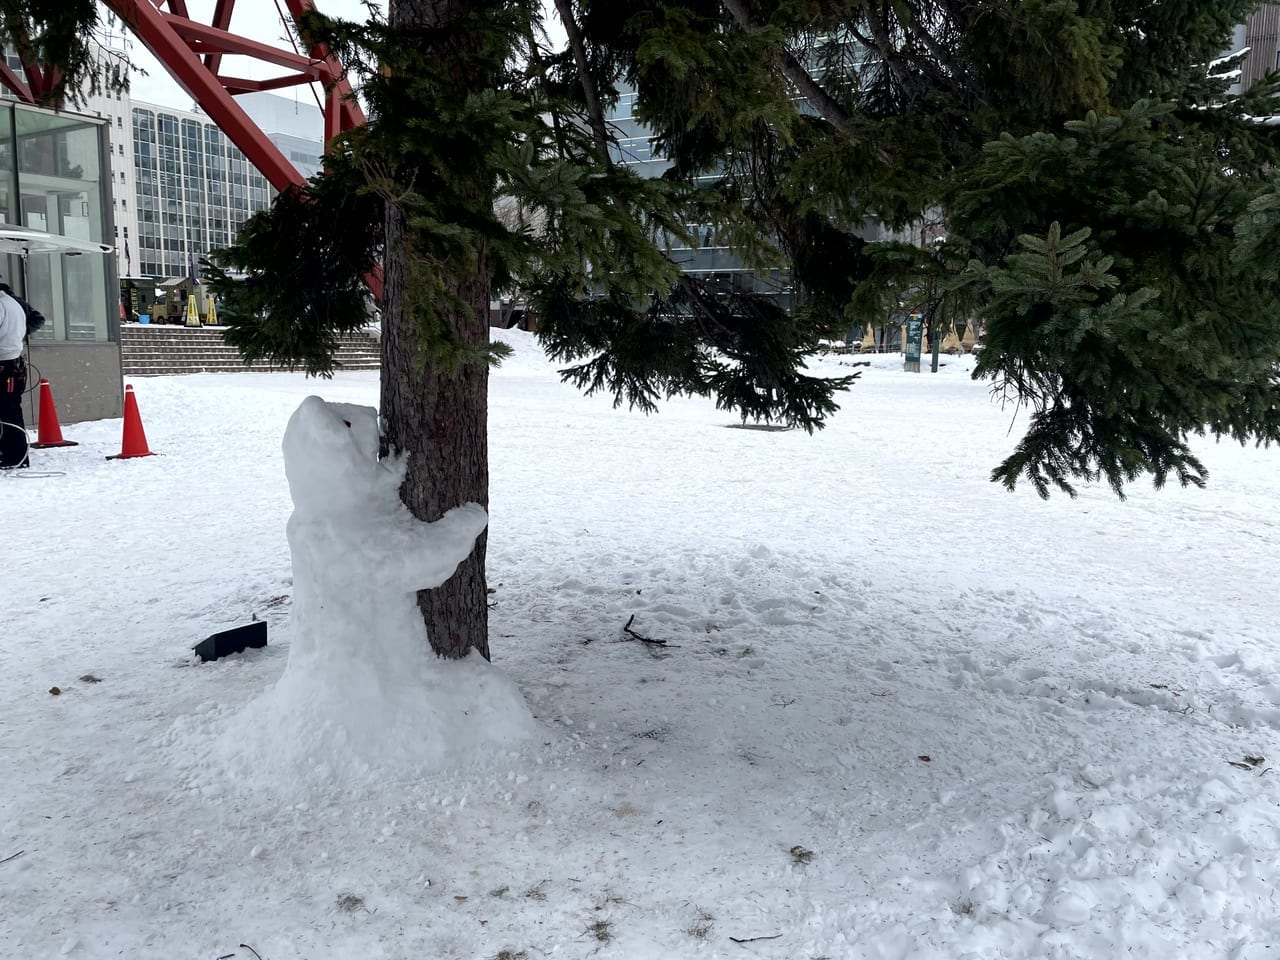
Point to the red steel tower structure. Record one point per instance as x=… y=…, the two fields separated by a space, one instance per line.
x=192 y=51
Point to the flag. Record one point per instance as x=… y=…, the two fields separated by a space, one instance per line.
x=191 y=268
x=128 y=259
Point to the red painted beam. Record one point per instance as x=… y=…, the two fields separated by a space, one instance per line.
x=349 y=113
x=153 y=29
x=179 y=42
x=342 y=112
x=12 y=82
x=215 y=41
x=312 y=73
x=236 y=85
x=35 y=80
x=221 y=21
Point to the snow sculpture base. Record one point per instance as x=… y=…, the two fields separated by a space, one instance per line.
x=349 y=722
x=363 y=696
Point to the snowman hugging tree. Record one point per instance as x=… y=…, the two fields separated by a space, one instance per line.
x=363 y=693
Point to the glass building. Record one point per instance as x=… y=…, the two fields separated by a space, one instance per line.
x=709 y=258
x=55 y=176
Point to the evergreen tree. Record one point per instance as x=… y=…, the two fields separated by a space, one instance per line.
x=1111 y=217
x=471 y=116
x=1022 y=124
x=1109 y=210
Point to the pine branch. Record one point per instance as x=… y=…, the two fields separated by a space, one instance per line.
x=878 y=24
x=595 y=115
x=800 y=78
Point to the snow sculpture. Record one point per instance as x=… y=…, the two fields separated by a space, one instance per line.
x=363 y=694
x=359 y=556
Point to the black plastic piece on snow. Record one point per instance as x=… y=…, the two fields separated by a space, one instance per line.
x=232 y=641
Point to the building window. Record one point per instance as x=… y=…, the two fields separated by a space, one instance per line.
x=57 y=167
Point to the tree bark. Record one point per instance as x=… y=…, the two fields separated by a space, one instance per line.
x=438 y=417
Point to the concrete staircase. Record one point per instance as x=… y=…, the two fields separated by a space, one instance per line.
x=155 y=350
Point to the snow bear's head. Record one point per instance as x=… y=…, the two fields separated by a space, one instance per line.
x=331 y=456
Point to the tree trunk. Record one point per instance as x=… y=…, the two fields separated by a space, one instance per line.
x=439 y=418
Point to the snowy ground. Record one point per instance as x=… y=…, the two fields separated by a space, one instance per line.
x=900 y=713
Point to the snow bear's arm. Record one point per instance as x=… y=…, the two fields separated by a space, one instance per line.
x=416 y=556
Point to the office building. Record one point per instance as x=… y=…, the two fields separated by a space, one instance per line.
x=181 y=188
x=1260 y=35
x=192 y=188
x=708 y=258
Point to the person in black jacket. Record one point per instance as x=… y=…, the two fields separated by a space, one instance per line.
x=18 y=320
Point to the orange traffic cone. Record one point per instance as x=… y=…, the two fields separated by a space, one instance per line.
x=135 y=440
x=50 y=429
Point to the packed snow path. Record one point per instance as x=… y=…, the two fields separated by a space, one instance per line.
x=896 y=712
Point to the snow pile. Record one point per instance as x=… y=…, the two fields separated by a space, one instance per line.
x=798 y=696
x=1129 y=863
x=526 y=358
x=363 y=694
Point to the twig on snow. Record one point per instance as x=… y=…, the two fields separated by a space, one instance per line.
x=1250 y=762
x=14 y=857
x=776 y=936
x=245 y=946
x=643 y=639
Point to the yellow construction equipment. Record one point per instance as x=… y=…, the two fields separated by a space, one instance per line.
x=951 y=342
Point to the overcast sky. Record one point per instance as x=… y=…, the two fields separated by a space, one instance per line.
x=255 y=19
